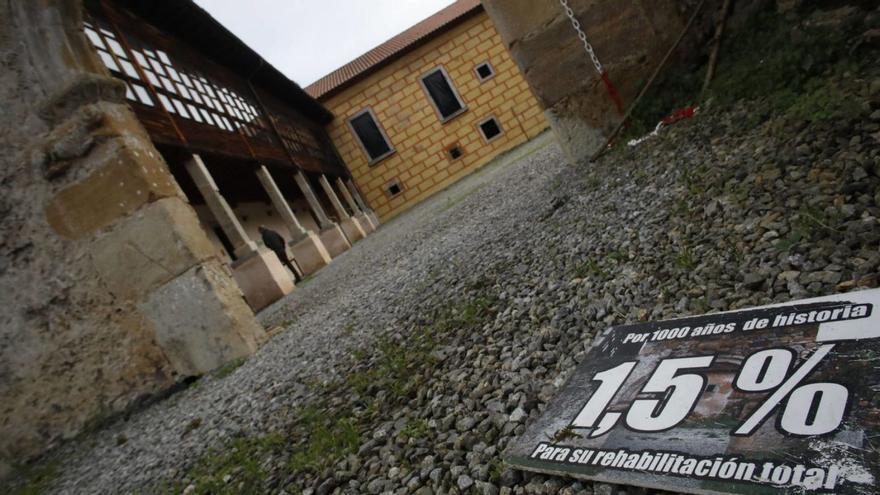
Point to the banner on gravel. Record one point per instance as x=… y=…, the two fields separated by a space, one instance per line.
x=777 y=399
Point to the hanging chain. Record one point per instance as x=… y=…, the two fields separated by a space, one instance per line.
x=582 y=36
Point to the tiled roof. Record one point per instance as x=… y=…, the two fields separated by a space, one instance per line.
x=378 y=56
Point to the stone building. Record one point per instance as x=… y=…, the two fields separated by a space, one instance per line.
x=427 y=107
x=143 y=145
x=546 y=48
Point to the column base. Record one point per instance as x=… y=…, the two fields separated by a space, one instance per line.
x=374 y=218
x=262 y=279
x=366 y=222
x=334 y=240
x=310 y=253
x=201 y=321
x=352 y=229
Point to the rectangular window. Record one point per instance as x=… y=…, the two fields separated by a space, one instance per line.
x=373 y=140
x=442 y=95
x=490 y=129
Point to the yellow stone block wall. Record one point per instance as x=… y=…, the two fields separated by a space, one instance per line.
x=403 y=110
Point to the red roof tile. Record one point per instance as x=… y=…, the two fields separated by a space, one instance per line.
x=384 y=53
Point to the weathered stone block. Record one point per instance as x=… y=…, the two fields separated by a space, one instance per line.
x=578 y=139
x=310 y=253
x=262 y=278
x=334 y=240
x=81 y=90
x=375 y=218
x=158 y=243
x=516 y=19
x=201 y=320
x=352 y=229
x=125 y=175
x=366 y=222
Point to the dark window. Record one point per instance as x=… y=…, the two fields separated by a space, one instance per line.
x=440 y=90
x=393 y=188
x=490 y=129
x=370 y=136
x=484 y=71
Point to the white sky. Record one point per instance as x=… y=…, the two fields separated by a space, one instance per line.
x=307 y=39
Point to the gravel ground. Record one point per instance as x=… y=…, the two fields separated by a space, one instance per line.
x=364 y=289
x=489 y=294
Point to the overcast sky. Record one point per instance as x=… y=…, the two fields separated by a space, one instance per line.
x=307 y=39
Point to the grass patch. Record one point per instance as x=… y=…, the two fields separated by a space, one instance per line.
x=330 y=439
x=807 y=224
x=384 y=375
x=589 y=268
x=617 y=255
x=228 y=368
x=416 y=429
x=790 y=67
x=685 y=259
x=35 y=479
x=241 y=459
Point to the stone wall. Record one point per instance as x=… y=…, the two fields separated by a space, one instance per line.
x=110 y=289
x=402 y=108
x=630 y=38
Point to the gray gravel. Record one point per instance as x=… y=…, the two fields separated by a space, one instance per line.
x=361 y=291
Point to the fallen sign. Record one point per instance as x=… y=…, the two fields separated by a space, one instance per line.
x=775 y=399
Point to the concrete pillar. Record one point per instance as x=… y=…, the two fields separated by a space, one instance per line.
x=346 y=195
x=242 y=245
x=334 y=199
x=303 y=182
x=350 y=225
x=359 y=213
x=331 y=235
x=259 y=273
x=357 y=195
x=371 y=215
x=296 y=229
x=306 y=247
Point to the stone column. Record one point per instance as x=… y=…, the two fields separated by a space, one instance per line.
x=371 y=215
x=346 y=195
x=334 y=199
x=307 y=249
x=303 y=182
x=351 y=226
x=243 y=246
x=360 y=214
x=296 y=229
x=331 y=236
x=357 y=195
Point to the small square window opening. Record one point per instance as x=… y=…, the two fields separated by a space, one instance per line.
x=490 y=129
x=393 y=188
x=454 y=152
x=484 y=71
